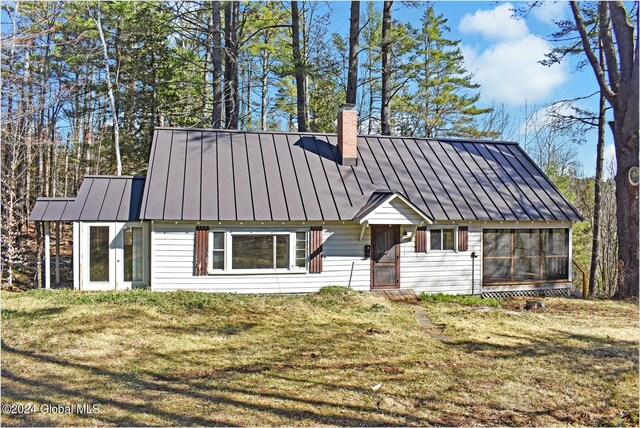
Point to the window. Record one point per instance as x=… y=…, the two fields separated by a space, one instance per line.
x=99 y=254
x=259 y=251
x=217 y=253
x=133 y=254
x=525 y=255
x=442 y=239
x=301 y=249
x=238 y=250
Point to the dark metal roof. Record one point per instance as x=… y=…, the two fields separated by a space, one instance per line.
x=200 y=174
x=100 y=198
x=50 y=209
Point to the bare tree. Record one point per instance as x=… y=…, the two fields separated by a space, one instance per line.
x=112 y=99
x=618 y=81
x=231 y=13
x=301 y=88
x=216 y=59
x=385 y=114
x=354 y=35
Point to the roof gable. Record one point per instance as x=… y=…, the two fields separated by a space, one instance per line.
x=390 y=208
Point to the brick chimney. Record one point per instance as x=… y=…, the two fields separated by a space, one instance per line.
x=348 y=134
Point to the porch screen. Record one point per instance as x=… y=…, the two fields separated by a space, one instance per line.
x=512 y=256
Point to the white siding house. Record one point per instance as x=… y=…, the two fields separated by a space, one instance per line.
x=258 y=212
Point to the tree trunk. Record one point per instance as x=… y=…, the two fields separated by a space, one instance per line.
x=626 y=142
x=385 y=113
x=595 y=242
x=301 y=95
x=618 y=81
x=112 y=99
x=231 y=12
x=216 y=59
x=354 y=33
x=264 y=90
x=625 y=134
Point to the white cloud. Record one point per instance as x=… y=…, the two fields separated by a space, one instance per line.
x=495 y=24
x=548 y=11
x=510 y=73
x=508 y=69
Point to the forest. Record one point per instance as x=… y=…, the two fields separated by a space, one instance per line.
x=85 y=83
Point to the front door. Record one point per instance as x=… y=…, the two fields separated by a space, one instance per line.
x=385 y=256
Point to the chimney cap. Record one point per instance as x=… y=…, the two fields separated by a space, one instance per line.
x=348 y=106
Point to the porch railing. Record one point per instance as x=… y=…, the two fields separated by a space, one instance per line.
x=585 y=283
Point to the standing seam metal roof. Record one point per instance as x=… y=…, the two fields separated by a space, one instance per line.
x=200 y=174
x=100 y=198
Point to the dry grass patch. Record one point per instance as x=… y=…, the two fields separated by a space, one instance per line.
x=212 y=359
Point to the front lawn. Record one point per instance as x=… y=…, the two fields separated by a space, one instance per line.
x=323 y=359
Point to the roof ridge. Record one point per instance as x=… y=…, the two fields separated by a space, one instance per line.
x=109 y=176
x=406 y=137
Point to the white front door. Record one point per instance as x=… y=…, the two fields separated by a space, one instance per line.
x=99 y=261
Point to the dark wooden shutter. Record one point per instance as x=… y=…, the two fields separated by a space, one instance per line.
x=315 y=249
x=421 y=239
x=463 y=238
x=201 y=256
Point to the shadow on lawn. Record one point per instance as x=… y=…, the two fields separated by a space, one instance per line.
x=449 y=407
x=610 y=352
x=28 y=389
x=33 y=313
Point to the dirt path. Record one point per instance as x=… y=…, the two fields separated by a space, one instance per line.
x=420 y=313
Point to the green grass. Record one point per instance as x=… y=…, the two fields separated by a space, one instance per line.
x=222 y=359
x=460 y=299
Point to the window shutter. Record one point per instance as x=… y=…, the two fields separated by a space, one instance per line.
x=201 y=254
x=315 y=249
x=421 y=239
x=463 y=238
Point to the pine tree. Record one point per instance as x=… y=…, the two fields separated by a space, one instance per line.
x=443 y=102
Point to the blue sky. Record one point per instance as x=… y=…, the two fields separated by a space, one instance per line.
x=503 y=53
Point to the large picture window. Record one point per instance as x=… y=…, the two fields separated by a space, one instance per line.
x=512 y=256
x=239 y=251
x=259 y=251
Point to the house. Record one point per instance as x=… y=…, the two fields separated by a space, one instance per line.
x=278 y=212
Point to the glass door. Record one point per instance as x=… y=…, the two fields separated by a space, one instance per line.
x=98 y=260
x=131 y=257
x=132 y=254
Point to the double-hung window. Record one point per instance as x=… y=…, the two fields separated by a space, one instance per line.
x=217 y=250
x=245 y=251
x=442 y=239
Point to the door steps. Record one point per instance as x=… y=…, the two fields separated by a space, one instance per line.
x=398 y=295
